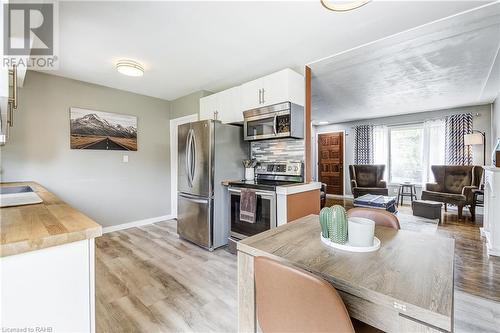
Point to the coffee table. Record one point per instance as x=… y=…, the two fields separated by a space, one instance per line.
x=376 y=201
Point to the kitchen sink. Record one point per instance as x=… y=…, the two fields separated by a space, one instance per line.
x=18 y=196
x=15 y=189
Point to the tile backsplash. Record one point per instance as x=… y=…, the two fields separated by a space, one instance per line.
x=278 y=150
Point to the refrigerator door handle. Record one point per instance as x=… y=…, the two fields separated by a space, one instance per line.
x=188 y=158
x=193 y=198
x=193 y=159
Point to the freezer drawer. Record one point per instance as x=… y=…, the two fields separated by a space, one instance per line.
x=194 y=219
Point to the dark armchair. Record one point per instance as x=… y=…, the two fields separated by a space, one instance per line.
x=455 y=185
x=367 y=179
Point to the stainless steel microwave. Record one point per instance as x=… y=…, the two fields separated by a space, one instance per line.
x=283 y=120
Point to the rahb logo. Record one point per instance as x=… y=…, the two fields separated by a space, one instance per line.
x=30 y=35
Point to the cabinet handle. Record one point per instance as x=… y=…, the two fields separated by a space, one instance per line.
x=13 y=99
x=260 y=96
x=216 y=115
x=263 y=94
x=10 y=114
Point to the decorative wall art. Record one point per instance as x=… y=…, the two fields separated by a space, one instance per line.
x=102 y=130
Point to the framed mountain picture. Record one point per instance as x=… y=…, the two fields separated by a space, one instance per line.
x=102 y=130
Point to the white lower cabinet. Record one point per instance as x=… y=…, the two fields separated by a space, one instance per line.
x=49 y=290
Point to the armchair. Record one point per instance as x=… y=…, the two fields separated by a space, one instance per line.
x=455 y=185
x=367 y=179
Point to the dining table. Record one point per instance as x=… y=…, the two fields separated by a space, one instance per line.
x=404 y=286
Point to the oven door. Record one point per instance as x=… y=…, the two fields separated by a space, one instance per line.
x=265 y=218
x=267 y=126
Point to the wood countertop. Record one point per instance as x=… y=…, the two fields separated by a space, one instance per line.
x=412 y=270
x=50 y=223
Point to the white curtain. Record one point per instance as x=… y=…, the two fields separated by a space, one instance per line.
x=433 y=147
x=381 y=148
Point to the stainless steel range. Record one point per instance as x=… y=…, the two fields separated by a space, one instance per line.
x=268 y=175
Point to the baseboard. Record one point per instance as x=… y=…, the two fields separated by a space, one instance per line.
x=138 y=223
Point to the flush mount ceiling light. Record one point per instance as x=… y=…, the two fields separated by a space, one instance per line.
x=323 y=123
x=344 y=6
x=129 y=68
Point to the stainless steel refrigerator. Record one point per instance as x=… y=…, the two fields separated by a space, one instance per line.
x=209 y=152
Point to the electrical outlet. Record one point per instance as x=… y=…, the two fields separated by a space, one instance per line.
x=125 y=158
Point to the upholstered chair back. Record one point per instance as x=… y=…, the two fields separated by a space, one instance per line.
x=367 y=175
x=453 y=178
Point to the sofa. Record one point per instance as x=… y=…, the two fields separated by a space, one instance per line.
x=455 y=185
x=367 y=179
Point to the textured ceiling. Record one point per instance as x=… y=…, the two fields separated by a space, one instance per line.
x=190 y=46
x=450 y=63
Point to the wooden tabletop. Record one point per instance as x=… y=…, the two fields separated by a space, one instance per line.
x=412 y=270
x=33 y=227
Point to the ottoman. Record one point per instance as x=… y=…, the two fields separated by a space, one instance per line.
x=428 y=209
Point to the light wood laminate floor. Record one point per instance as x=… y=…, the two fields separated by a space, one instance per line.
x=148 y=280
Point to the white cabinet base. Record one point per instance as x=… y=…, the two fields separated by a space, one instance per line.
x=51 y=288
x=491 y=222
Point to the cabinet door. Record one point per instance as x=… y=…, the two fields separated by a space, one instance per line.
x=208 y=107
x=4 y=82
x=275 y=88
x=229 y=105
x=251 y=94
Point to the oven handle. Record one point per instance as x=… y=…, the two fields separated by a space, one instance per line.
x=261 y=193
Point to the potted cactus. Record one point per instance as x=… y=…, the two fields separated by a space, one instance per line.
x=333 y=221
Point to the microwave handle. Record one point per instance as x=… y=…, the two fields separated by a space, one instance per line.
x=274 y=124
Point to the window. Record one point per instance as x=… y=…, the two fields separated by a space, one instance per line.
x=409 y=151
x=406 y=154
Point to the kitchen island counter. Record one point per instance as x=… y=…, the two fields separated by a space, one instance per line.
x=37 y=226
x=48 y=265
x=294 y=201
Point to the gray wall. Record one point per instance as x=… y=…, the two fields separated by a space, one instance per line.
x=481 y=122
x=187 y=105
x=97 y=183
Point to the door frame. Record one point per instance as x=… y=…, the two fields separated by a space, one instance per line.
x=174 y=124
x=316 y=158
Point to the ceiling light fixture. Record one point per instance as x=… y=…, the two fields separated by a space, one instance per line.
x=323 y=122
x=129 y=68
x=343 y=7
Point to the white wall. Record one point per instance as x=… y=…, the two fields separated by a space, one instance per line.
x=481 y=122
x=95 y=182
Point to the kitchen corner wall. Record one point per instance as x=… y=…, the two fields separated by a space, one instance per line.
x=187 y=105
x=96 y=182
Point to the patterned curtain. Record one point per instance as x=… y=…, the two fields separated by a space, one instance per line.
x=363 y=144
x=457 y=153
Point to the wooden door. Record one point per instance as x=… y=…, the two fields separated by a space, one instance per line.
x=331 y=161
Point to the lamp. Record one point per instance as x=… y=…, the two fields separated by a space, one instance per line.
x=476 y=138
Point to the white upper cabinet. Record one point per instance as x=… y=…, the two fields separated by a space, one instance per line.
x=228 y=105
x=223 y=106
x=4 y=82
x=208 y=107
x=283 y=86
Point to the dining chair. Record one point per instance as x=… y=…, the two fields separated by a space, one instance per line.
x=292 y=300
x=379 y=216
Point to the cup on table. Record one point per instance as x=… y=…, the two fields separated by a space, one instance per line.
x=361 y=231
